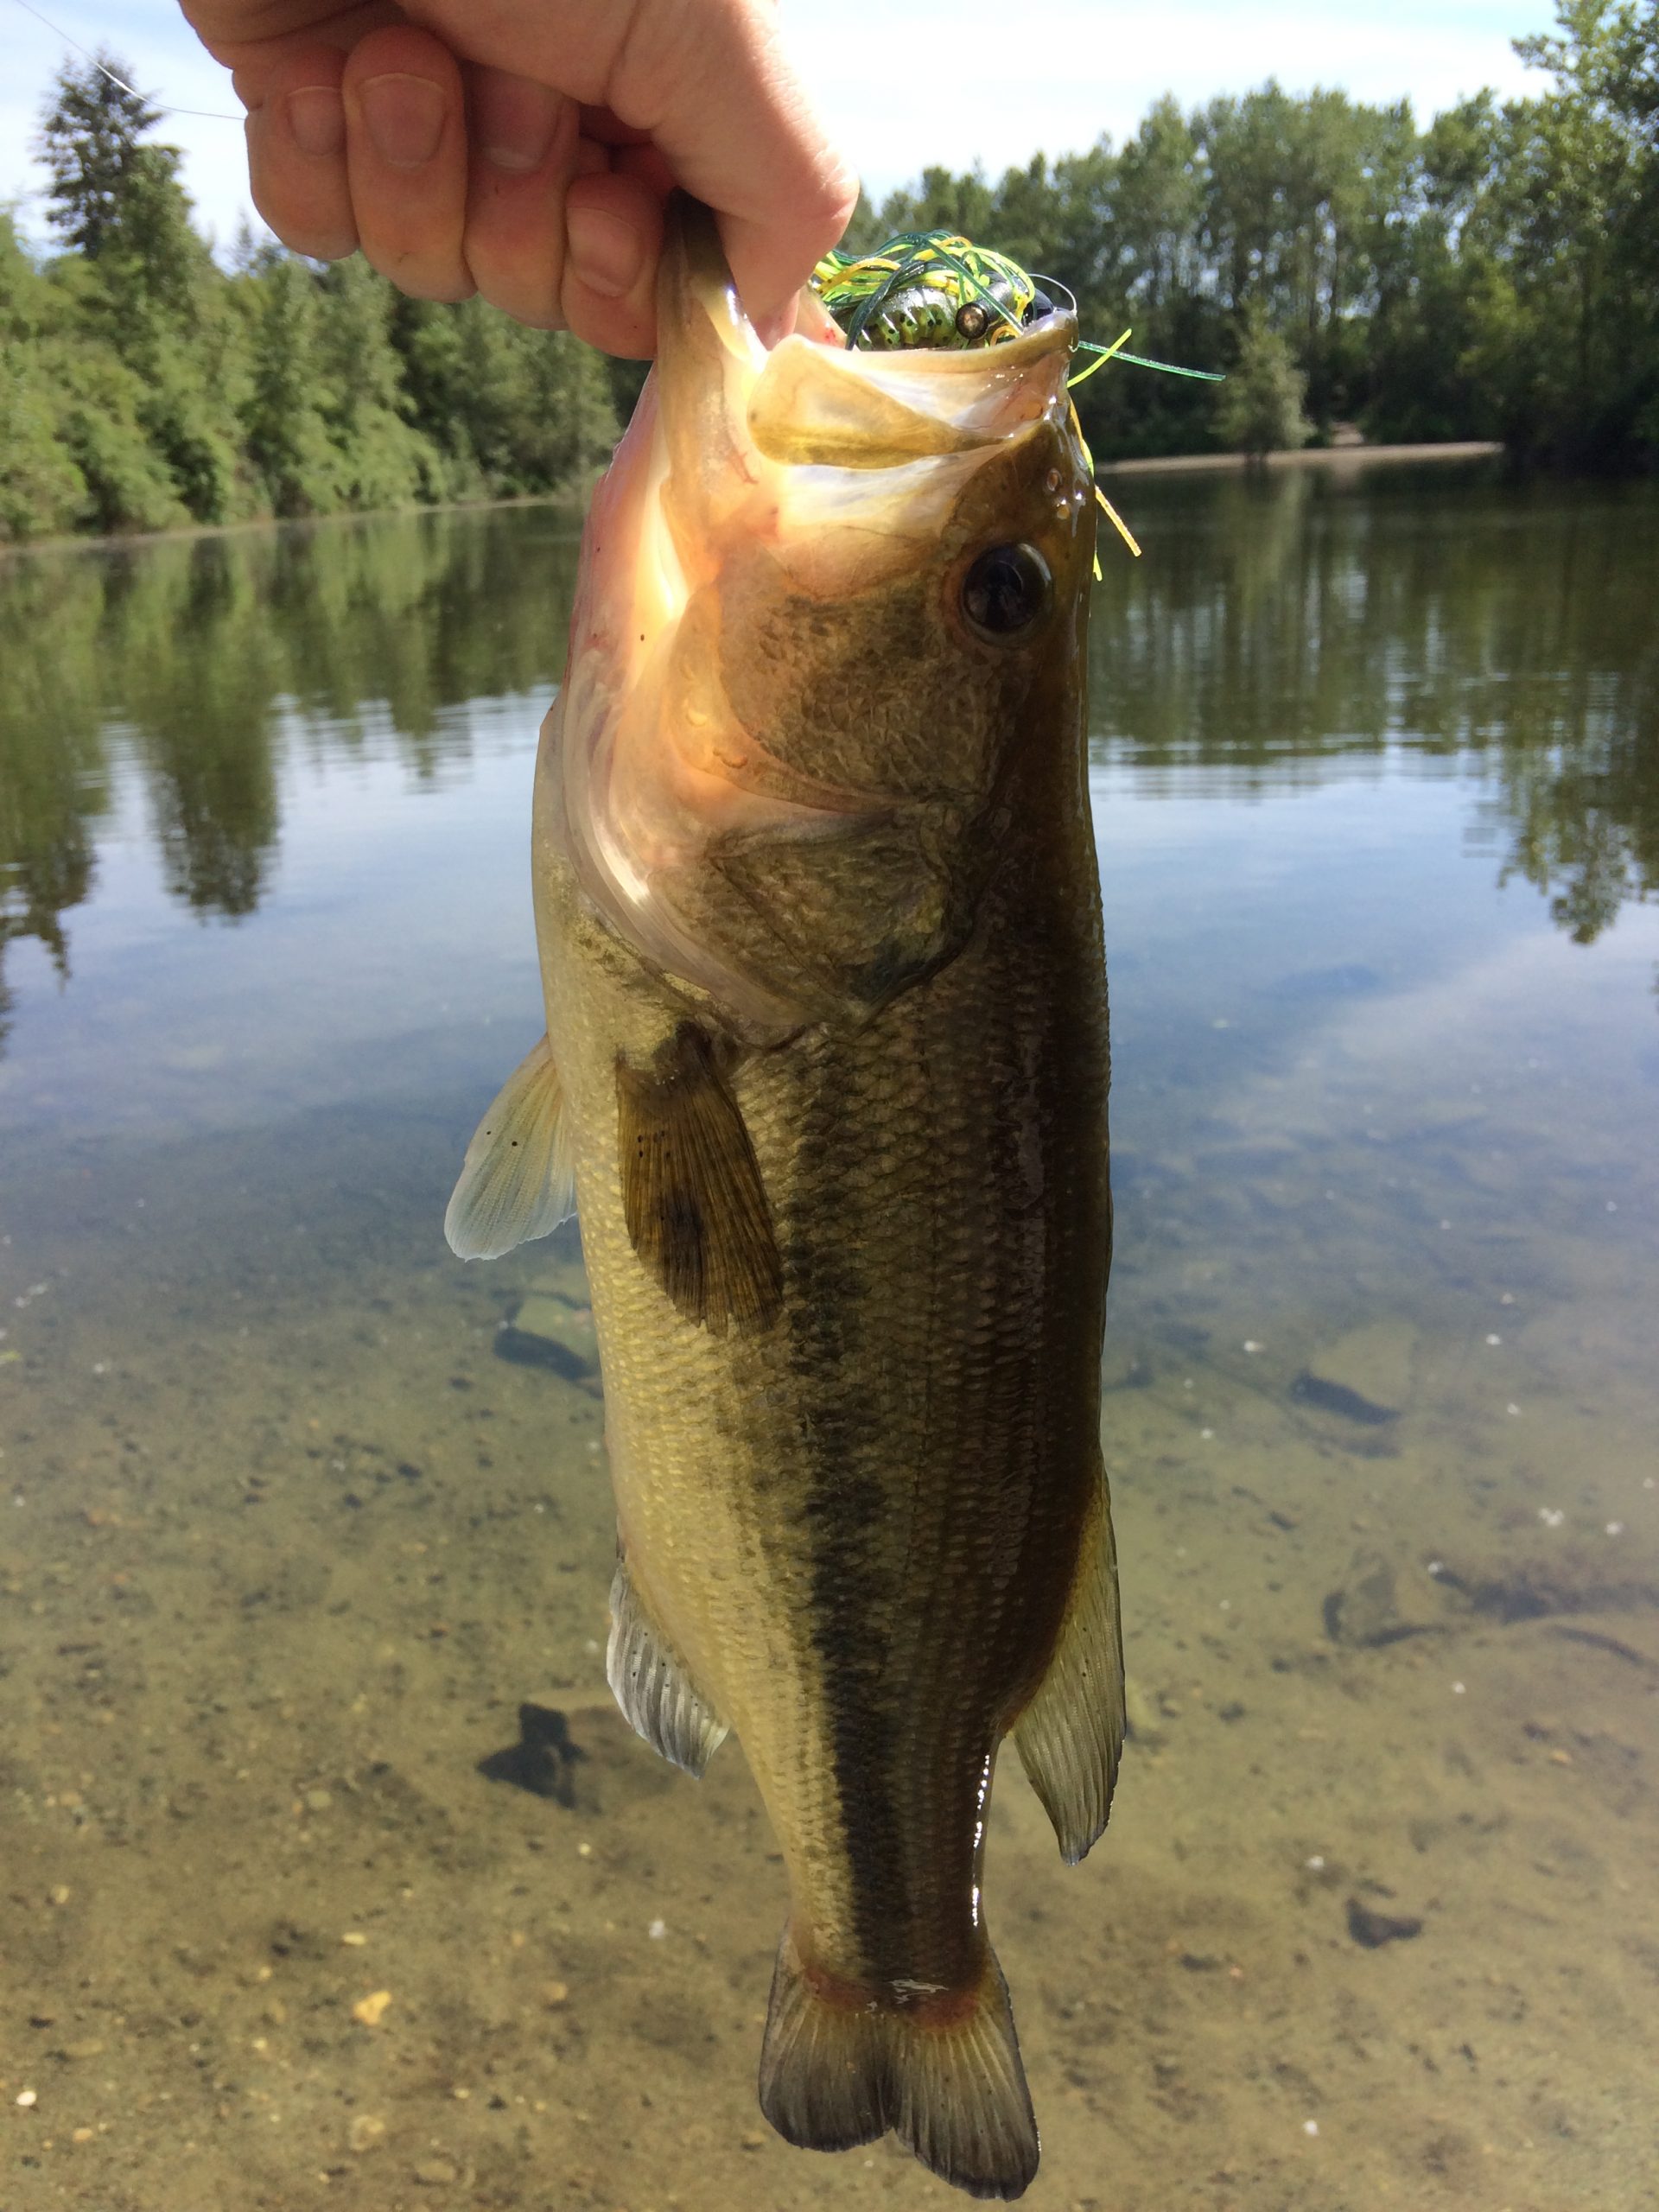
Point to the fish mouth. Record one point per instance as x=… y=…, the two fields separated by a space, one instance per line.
x=841 y=472
x=809 y=435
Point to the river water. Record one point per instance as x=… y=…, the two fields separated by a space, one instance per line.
x=297 y=1513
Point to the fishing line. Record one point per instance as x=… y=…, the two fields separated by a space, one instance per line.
x=203 y=114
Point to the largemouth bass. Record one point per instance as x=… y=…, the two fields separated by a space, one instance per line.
x=826 y=1069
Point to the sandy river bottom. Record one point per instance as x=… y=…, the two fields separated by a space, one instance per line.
x=286 y=1541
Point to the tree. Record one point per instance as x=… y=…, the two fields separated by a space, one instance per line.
x=1580 y=200
x=89 y=143
x=284 y=414
x=1260 y=408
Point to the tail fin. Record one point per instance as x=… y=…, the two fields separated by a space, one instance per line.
x=837 y=2070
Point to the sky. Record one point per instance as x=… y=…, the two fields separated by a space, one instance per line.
x=903 y=83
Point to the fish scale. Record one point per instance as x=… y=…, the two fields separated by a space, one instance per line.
x=826 y=1074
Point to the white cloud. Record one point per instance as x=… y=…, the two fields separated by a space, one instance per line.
x=903 y=82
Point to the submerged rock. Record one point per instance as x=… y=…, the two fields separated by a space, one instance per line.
x=1362 y=1609
x=1365 y=1376
x=544 y=1760
x=1372 y=1928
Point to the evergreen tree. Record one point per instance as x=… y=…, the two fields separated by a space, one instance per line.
x=89 y=143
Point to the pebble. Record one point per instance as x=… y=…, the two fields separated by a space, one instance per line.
x=366 y=2132
x=437 y=2173
x=370 y=2010
x=28 y=2098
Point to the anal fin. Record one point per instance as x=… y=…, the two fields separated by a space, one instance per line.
x=692 y=1196
x=841 y=2065
x=649 y=1681
x=518 y=1180
x=1070 y=1735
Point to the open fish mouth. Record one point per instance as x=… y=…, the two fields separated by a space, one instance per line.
x=764 y=545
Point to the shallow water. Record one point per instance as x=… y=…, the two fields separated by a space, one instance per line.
x=292 y=1525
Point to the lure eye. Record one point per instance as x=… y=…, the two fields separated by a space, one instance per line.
x=973 y=320
x=1005 y=592
x=1041 y=305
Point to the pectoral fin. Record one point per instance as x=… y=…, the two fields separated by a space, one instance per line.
x=649 y=1681
x=518 y=1179
x=692 y=1196
x=1070 y=1735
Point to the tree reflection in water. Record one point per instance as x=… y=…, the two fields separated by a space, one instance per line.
x=1276 y=625
x=200 y=660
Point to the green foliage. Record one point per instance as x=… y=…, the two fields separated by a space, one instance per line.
x=1260 y=409
x=1493 y=274
x=141 y=386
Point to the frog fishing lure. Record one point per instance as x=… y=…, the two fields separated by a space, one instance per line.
x=936 y=289
x=928 y=288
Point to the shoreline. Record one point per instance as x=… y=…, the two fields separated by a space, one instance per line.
x=119 y=540
x=1349 y=457
x=1356 y=456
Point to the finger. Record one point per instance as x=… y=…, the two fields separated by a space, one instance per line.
x=406 y=159
x=742 y=134
x=296 y=154
x=712 y=88
x=613 y=241
x=524 y=150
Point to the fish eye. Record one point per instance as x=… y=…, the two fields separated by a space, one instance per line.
x=1006 y=591
x=1041 y=305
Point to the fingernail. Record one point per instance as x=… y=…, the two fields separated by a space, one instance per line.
x=405 y=118
x=316 y=119
x=608 y=254
x=514 y=120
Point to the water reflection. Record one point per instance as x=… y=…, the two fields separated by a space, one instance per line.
x=1510 y=626
x=1272 y=622
x=199 y=659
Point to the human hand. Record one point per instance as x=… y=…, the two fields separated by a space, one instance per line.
x=523 y=148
